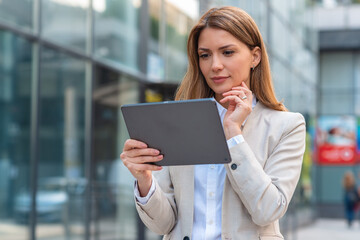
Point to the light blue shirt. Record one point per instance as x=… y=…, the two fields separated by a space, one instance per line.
x=208 y=190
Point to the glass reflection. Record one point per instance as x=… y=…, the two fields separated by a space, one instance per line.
x=17 y=12
x=115 y=213
x=15 y=99
x=117 y=31
x=178 y=24
x=65 y=22
x=156 y=54
x=61 y=182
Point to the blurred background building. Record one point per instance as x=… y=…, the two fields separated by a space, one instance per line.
x=338 y=125
x=67 y=66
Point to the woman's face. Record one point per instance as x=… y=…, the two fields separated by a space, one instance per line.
x=225 y=61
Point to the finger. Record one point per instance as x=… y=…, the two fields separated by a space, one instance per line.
x=148 y=159
x=236 y=103
x=234 y=92
x=142 y=152
x=247 y=93
x=240 y=94
x=144 y=159
x=137 y=168
x=132 y=143
x=146 y=167
x=232 y=99
x=242 y=88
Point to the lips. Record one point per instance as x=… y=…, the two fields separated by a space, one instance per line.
x=219 y=79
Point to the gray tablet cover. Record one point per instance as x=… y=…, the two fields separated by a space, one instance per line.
x=186 y=132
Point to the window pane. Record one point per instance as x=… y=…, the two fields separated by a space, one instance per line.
x=330 y=189
x=156 y=63
x=61 y=183
x=336 y=70
x=65 y=22
x=357 y=103
x=116 y=215
x=282 y=83
x=18 y=12
x=304 y=62
x=357 y=84
x=357 y=70
x=282 y=8
x=117 y=31
x=336 y=102
x=279 y=38
x=178 y=24
x=303 y=96
x=15 y=99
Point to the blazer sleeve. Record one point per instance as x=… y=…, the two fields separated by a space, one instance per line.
x=266 y=191
x=159 y=214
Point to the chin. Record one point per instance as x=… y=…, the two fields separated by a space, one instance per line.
x=223 y=90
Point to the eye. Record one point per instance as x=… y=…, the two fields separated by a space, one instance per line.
x=204 y=55
x=228 y=52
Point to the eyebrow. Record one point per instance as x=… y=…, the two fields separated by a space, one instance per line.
x=220 y=48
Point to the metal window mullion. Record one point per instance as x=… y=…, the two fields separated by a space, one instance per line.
x=353 y=76
x=163 y=38
x=143 y=55
x=268 y=23
x=88 y=144
x=35 y=103
x=34 y=143
x=144 y=37
x=89 y=82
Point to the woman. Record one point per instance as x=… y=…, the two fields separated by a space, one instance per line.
x=243 y=199
x=351 y=197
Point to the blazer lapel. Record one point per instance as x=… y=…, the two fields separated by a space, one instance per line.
x=251 y=120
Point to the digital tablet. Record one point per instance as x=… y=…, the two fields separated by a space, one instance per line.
x=185 y=132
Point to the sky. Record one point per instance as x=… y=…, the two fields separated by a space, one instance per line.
x=190 y=7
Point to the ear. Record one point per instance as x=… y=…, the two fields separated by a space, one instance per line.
x=256 y=53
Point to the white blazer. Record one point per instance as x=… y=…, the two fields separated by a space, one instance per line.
x=260 y=181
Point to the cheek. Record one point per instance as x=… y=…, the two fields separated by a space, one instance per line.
x=205 y=65
x=202 y=67
x=242 y=69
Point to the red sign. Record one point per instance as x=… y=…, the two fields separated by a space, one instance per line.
x=336 y=140
x=336 y=154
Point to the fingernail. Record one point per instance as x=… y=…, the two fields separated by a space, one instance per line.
x=156 y=152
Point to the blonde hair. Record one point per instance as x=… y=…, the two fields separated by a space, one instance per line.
x=348 y=180
x=238 y=23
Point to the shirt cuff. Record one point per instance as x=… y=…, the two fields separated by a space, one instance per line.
x=235 y=140
x=144 y=200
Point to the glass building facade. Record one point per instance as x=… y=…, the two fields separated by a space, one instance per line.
x=66 y=67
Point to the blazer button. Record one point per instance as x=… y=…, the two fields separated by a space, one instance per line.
x=233 y=166
x=186 y=238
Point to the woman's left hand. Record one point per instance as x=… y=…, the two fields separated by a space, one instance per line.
x=240 y=106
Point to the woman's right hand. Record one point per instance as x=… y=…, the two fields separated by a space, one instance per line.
x=136 y=156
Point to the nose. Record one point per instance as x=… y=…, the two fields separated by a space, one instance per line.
x=216 y=64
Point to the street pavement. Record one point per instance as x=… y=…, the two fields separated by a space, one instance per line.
x=328 y=229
